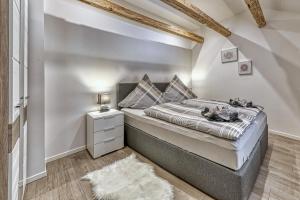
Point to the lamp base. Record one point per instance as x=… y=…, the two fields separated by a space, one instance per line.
x=104 y=108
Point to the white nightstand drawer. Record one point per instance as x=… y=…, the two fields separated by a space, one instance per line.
x=108 y=134
x=108 y=122
x=108 y=146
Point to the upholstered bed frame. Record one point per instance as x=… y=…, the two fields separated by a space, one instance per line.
x=216 y=180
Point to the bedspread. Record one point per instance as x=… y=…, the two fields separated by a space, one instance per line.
x=188 y=114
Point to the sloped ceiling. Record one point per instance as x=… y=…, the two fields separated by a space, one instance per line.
x=77 y=12
x=238 y=6
x=217 y=9
x=160 y=11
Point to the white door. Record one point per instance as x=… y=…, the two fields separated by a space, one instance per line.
x=25 y=49
x=14 y=66
x=16 y=31
x=14 y=94
x=25 y=86
x=16 y=90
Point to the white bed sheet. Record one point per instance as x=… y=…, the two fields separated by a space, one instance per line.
x=231 y=154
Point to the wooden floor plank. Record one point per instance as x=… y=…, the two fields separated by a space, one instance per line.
x=279 y=177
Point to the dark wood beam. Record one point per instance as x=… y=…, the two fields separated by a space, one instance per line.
x=132 y=15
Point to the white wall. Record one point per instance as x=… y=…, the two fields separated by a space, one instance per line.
x=81 y=61
x=36 y=120
x=275 y=51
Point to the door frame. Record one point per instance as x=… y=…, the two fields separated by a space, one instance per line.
x=4 y=94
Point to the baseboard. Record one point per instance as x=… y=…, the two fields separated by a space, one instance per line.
x=49 y=159
x=64 y=154
x=283 y=134
x=36 y=177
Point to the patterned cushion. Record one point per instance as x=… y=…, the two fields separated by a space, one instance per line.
x=143 y=96
x=177 y=91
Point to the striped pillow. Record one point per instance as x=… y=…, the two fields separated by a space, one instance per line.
x=143 y=96
x=177 y=91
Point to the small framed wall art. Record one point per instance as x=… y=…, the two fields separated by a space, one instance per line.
x=229 y=55
x=245 y=67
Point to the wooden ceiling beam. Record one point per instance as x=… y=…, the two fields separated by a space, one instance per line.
x=256 y=12
x=195 y=13
x=132 y=15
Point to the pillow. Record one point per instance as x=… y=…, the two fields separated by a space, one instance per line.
x=143 y=96
x=177 y=91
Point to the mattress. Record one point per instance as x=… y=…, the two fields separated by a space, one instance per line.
x=231 y=154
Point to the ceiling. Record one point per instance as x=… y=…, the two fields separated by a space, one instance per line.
x=217 y=9
x=238 y=6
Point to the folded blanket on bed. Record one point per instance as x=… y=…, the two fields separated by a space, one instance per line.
x=189 y=114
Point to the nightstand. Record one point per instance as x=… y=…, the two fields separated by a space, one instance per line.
x=105 y=132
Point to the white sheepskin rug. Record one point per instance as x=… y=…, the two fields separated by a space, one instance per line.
x=129 y=179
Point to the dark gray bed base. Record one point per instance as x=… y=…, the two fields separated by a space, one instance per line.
x=214 y=179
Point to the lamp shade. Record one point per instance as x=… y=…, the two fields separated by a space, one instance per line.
x=104 y=98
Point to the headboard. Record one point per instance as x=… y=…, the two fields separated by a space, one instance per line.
x=123 y=89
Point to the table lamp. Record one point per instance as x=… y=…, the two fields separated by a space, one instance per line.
x=104 y=101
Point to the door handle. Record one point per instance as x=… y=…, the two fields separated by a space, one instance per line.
x=108 y=117
x=108 y=129
x=109 y=140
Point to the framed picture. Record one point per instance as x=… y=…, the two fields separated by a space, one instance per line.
x=229 y=55
x=245 y=67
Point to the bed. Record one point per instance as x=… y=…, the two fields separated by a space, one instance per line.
x=225 y=170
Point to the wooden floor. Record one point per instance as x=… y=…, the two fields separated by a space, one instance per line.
x=279 y=177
